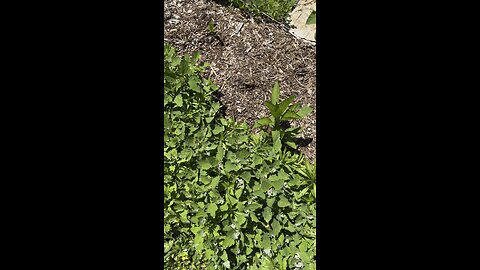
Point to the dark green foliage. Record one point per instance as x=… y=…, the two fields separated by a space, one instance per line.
x=233 y=199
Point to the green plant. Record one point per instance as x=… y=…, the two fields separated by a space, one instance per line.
x=281 y=112
x=312 y=19
x=211 y=26
x=232 y=199
x=277 y=9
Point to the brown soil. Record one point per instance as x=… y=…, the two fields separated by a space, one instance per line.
x=247 y=56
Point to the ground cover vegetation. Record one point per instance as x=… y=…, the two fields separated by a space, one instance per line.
x=233 y=198
x=276 y=9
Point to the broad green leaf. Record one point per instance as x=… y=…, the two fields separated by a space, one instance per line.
x=224 y=207
x=254 y=217
x=193 y=85
x=220 y=153
x=215 y=182
x=229 y=166
x=262 y=122
x=267 y=214
x=241 y=218
x=195 y=229
x=276 y=227
x=198 y=239
x=283 y=202
x=266 y=185
x=204 y=164
x=211 y=209
x=218 y=129
x=283 y=106
x=238 y=193
x=266 y=241
x=178 y=100
x=183 y=216
x=312 y=18
x=291 y=144
x=291 y=115
x=275 y=93
x=271 y=107
x=209 y=253
x=228 y=242
x=304 y=111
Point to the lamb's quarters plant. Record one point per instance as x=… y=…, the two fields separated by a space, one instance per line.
x=233 y=199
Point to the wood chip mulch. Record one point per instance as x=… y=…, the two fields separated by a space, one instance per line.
x=247 y=56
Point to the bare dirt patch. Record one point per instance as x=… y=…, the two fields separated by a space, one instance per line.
x=247 y=56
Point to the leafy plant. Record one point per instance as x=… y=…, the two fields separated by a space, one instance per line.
x=277 y=9
x=232 y=199
x=282 y=111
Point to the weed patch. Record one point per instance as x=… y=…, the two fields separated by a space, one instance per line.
x=233 y=199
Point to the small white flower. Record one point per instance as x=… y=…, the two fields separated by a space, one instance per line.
x=236 y=235
x=233 y=226
x=297 y=256
x=267 y=252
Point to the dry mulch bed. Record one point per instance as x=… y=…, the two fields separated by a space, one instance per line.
x=247 y=56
